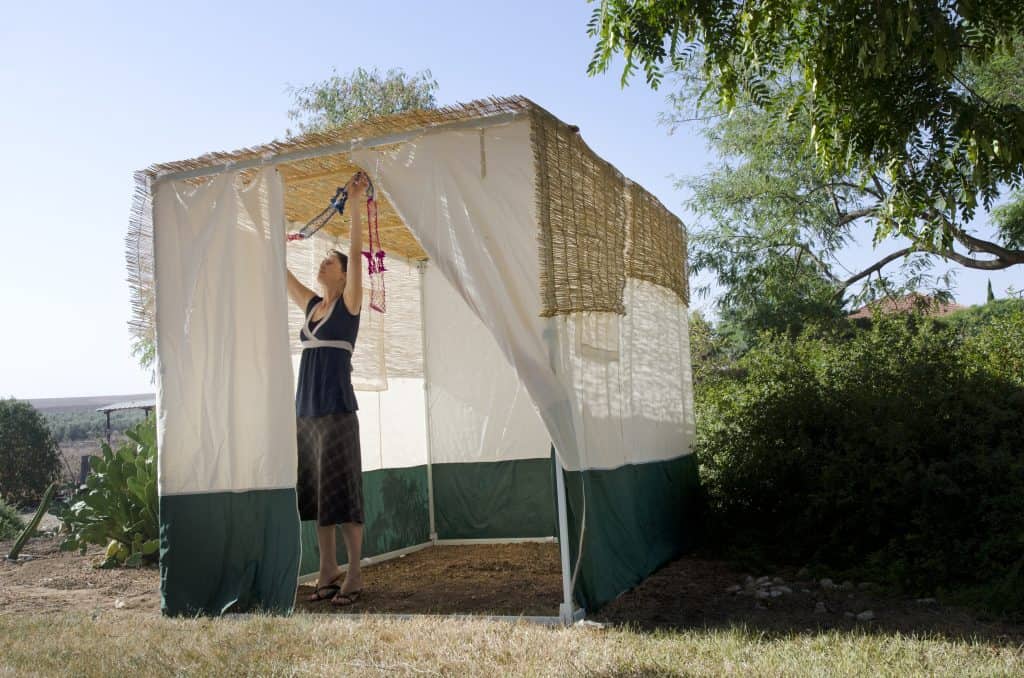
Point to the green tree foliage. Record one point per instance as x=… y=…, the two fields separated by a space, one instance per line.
x=900 y=448
x=993 y=338
x=888 y=88
x=29 y=455
x=778 y=234
x=118 y=505
x=89 y=424
x=345 y=99
x=144 y=350
x=11 y=523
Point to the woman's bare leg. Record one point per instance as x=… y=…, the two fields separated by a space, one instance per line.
x=329 y=568
x=328 y=553
x=353 y=535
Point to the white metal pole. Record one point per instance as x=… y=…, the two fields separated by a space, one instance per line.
x=565 y=610
x=421 y=266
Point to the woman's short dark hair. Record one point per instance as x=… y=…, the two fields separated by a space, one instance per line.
x=343 y=258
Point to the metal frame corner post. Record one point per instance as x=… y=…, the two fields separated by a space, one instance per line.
x=421 y=267
x=567 y=610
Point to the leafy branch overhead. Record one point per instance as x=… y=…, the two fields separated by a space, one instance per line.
x=344 y=99
x=919 y=95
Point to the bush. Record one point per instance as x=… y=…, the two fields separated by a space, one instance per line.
x=11 y=523
x=117 y=507
x=29 y=456
x=896 y=454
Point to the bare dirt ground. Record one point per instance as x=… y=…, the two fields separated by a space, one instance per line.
x=524 y=579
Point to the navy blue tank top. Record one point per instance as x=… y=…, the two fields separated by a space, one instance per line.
x=325 y=373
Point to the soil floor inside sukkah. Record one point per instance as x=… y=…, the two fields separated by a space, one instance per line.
x=524 y=579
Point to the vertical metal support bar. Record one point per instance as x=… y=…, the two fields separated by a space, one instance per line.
x=421 y=266
x=565 y=610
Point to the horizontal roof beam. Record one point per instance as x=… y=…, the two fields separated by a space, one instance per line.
x=344 y=147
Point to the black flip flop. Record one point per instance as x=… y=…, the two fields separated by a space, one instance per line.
x=330 y=586
x=347 y=598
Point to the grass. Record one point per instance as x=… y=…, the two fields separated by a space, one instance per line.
x=131 y=643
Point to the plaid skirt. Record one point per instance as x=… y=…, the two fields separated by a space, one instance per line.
x=330 y=483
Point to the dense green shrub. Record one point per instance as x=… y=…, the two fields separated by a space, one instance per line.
x=11 y=523
x=897 y=453
x=117 y=507
x=29 y=456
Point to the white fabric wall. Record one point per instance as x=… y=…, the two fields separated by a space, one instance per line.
x=393 y=425
x=479 y=409
x=470 y=202
x=222 y=342
x=474 y=215
x=631 y=378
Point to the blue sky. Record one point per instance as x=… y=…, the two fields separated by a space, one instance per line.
x=94 y=91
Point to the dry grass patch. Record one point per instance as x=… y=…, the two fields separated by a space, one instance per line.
x=105 y=643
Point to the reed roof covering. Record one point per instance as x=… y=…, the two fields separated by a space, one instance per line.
x=582 y=244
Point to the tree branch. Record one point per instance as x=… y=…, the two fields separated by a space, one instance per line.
x=1004 y=257
x=854 y=215
x=877 y=266
x=982 y=264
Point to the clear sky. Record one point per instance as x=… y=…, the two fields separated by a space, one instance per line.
x=94 y=91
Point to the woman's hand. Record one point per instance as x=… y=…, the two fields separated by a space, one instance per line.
x=357 y=186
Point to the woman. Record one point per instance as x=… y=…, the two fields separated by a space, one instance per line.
x=330 y=477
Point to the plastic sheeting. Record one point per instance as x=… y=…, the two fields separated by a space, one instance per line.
x=222 y=351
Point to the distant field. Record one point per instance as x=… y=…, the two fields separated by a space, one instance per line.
x=76 y=419
x=86 y=403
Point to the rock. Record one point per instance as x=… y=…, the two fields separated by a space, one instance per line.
x=827 y=584
x=763 y=580
x=803 y=572
x=588 y=624
x=926 y=601
x=748 y=580
x=778 y=580
x=866 y=615
x=735 y=588
x=865 y=586
x=119 y=604
x=806 y=590
x=783 y=589
x=760 y=606
x=762 y=595
x=819 y=608
x=775 y=593
x=847 y=585
x=849 y=615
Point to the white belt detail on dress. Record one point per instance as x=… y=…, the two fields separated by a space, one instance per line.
x=326 y=343
x=309 y=340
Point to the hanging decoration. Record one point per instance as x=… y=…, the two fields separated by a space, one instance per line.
x=374 y=255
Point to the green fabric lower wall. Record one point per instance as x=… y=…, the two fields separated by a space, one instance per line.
x=396 y=511
x=638 y=517
x=494 y=500
x=237 y=550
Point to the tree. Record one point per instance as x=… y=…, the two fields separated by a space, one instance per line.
x=342 y=100
x=338 y=100
x=890 y=89
x=29 y=456
x=777 y=232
